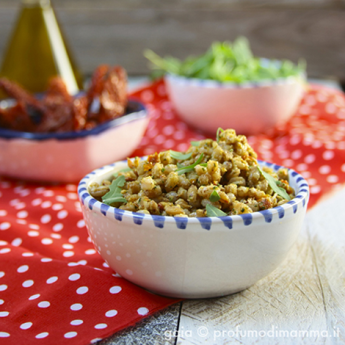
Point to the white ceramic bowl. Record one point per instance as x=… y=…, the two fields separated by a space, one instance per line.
x=193 y=257
x=248 y=108
x=67 y=157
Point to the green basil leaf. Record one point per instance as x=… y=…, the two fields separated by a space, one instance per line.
x=179 y=155
x=188 y=168
x=214 y=197
x=274 y=184
x=115 y=191
x=213 y=211
x=195 y=143
x=219 y=130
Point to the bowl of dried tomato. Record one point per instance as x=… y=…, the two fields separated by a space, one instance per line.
x=57 y=137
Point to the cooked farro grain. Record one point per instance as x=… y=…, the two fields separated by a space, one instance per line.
x=221 y=176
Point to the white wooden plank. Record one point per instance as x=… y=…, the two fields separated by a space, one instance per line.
x=290 y=299
x=327 y=238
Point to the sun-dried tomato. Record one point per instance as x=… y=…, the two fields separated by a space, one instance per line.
x=80 y=113
x=108 y=93
x=58 y=111
x=25 y=113
x=16 y=118
x=58 y=108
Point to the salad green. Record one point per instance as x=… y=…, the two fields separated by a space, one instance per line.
x=225 y=62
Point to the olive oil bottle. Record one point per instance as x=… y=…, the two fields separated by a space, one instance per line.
x=37 y=50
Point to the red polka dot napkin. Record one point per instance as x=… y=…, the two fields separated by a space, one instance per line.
x=56 y=289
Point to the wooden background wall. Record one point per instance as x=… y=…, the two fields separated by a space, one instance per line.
x=117 y=31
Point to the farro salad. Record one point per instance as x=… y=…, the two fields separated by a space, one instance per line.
x=212 y=178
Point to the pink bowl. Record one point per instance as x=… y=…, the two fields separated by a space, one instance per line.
x=67 y=157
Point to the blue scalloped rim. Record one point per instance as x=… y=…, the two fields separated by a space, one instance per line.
x=300 y=200
x=208 y=83
x=139 y=113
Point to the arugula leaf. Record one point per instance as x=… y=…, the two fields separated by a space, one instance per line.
x=167 y=64
x=116 y=174
x=214 y=197
x=188 y=168
x=179 y=155
x=274 y=184
x=226 y=62
x=114 y=194
x=195 y=143
x=219 y=130
x=213 y=211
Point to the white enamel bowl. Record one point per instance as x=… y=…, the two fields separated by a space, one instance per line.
x=248 y=108
x=67 y=157
x=193 y=257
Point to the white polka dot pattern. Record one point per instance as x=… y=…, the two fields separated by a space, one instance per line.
x=42 y=335
x=82 y=290
x=76 y=322
x=111 y=313
x=69 y=335
x=28 y=283
x=143 y=311
x=74 y=276
x=43 y=304
x=76 y=306
x=26 y=325
x=22 y=269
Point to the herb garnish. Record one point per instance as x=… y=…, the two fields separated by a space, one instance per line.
x=188 y=168
x=214 y=197
x=114 y=194
x=116 y=174
x=213 y=211
x=179 y=155
x=274 y=184
x=219 y=130
x=195 y=143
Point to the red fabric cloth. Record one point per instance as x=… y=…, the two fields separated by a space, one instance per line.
x=56 y=289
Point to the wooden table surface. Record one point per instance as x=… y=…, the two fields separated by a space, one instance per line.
x=301 y=302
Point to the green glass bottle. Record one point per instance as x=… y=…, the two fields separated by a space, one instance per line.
x=37 y=50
